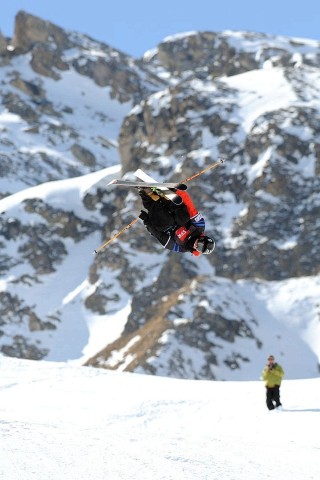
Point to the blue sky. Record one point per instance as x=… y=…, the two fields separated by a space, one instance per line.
x=135 y=26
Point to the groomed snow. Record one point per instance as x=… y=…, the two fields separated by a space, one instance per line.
x=64 y=422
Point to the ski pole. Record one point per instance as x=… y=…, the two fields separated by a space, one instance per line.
x=214 y=165
x=116 y=235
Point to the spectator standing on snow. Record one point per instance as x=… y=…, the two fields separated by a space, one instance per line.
x=272 y=375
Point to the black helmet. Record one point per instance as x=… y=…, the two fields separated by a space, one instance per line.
x=205 y=245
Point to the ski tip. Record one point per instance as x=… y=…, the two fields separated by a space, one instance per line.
x=113 y=182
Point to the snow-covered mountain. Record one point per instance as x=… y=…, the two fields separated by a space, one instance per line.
x=76 y=113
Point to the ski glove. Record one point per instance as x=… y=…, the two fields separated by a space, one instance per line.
x=144 y=217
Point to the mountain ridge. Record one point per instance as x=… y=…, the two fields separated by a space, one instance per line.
x=75 y=110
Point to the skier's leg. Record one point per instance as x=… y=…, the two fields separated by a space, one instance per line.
x=147 y=196
x=269 y=399
x=277 y=396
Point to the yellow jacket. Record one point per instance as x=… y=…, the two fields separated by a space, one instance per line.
x=272 y=376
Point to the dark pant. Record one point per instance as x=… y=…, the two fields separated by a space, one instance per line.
x=273 y=397
x=164 y=214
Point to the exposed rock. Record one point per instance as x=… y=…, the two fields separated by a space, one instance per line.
x=29 y=88
x=14 y=309
x=205 y=50
x=145 y=131
x=177 y=272
x=3 y=45
x=83 y=155
x=22 y=348
x=124 y=83
x=30 y=30
x=218 y=54
x=46 y=61
x=35 y=324
x=48 y=43
x=261 y=251
x=144 y=342
x=16 y=105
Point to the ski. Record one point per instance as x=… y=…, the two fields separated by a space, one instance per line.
x=163 y=191
x=166 y=189
x=147 y=178
x=158 y=185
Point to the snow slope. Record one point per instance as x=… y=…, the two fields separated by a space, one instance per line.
x=59 y=421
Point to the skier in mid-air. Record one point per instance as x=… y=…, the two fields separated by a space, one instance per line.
x=179 y=228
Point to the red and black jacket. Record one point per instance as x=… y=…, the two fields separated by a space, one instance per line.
x=175 y=226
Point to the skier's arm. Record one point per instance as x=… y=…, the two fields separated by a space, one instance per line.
x=199 y=222
x=265 y=373
x=196 y=219
x=278 y=371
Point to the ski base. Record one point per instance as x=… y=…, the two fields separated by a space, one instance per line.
x=168 y=194
x=163 y=189
x=129 y=183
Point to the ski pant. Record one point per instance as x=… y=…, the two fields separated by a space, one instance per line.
x=273 y=397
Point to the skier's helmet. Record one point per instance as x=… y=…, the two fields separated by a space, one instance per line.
x=205 y=245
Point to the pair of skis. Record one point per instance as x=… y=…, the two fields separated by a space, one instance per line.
x=166 y=189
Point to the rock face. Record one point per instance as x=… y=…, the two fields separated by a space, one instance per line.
x=103 y=85
x=219 y=54
x=166 y=127
x=72 y=107
x=3 y=44
x=48 y=44
x=30 y=30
